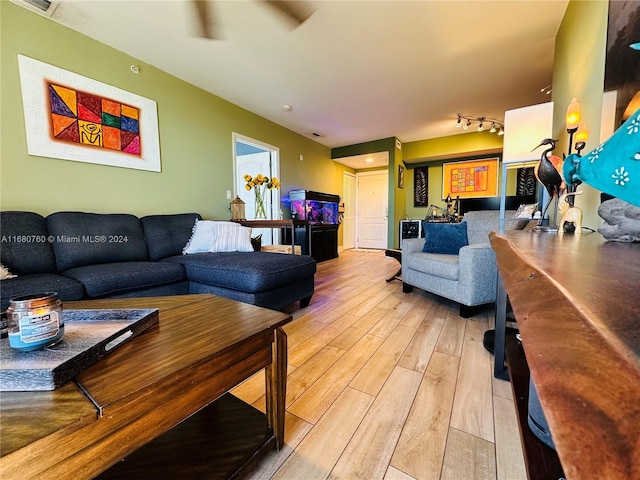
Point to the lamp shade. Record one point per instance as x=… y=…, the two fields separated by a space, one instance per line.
x=524 y=129
x=573 y=115
x=582 y=135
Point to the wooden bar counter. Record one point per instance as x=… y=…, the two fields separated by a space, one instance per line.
x=576 y=299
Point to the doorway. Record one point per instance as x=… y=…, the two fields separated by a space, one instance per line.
x=372 y=209
x=252 y=157
x=349 y=218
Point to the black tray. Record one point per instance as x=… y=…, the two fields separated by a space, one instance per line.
x=89 y=336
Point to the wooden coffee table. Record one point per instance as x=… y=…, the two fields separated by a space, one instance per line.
x=201 y=348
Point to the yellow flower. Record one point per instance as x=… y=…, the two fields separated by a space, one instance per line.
x=260 y=180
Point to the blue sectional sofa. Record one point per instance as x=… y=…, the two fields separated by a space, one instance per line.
x=87 y=255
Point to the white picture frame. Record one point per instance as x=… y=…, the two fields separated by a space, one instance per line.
x=36 y=79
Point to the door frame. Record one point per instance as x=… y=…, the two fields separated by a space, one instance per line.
x=350 y=177
x=274 y=212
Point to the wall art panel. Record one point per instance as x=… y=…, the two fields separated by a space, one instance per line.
x=71 y=117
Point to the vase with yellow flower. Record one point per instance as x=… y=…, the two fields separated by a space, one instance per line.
x=260 y=184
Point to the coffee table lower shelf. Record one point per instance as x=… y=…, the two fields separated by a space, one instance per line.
x=220 y=441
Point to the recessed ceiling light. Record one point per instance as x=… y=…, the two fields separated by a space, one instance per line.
x=287 y=108
x=369 y=160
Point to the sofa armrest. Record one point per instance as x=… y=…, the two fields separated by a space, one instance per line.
x=412 y=245
x=479 y=256
x=478 y=268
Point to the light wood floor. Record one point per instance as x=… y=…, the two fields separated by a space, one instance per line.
x=387 y=385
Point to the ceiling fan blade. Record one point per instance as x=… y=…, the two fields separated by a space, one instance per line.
x=205 y=19
x=294 y=11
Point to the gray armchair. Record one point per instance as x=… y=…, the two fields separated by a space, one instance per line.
x=469 y=278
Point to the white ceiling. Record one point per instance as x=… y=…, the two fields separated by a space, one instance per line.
x=355 y=71
x=370 y=160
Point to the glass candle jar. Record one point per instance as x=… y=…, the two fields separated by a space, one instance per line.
x=35 y=321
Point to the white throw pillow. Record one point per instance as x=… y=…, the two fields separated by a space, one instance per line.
x=201 y=239
x=5 y=273
x=231 y=238
x=218 y=236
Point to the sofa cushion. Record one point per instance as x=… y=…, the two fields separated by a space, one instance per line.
x=168 y=234
x=95 y=238
x=176 y=288
x=246 y=271
x=438 y=265
x=445 y=238
x=275 y=299
x=26 y=244
x=66 y=288
x=112 y=278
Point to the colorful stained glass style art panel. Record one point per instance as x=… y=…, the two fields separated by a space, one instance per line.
x=471 y=178
x=89 y=119
x=72 y=117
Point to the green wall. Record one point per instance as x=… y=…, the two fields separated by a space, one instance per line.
x=579 y=72
x=195 y=130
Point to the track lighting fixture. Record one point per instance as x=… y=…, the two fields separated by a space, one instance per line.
x=496 y=125
x=546 y=90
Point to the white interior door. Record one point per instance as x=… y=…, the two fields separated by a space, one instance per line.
x=372 y=209
x=349 y=219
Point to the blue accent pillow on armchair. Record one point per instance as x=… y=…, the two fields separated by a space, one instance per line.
x=446 y=238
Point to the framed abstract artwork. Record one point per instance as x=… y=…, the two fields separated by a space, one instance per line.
x=71 y=117
x=470 y=178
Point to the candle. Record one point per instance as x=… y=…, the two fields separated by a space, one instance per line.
x=35 y=321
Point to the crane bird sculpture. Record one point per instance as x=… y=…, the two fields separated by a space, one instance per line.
x=548 y=172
